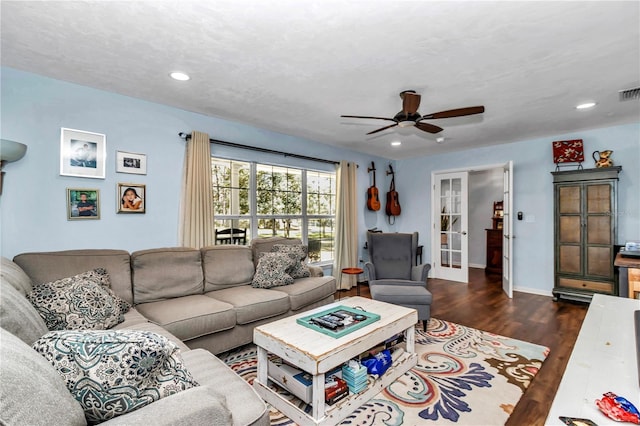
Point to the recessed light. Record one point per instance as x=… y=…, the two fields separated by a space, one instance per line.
x=586 y=105
x=180 y=76
x=440 y=139
x=396 y=143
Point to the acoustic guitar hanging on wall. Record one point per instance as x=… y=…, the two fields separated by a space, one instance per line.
x=393 y=205
x=373 y=200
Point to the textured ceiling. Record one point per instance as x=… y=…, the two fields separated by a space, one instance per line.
x=295 y=66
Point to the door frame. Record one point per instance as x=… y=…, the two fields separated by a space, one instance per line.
x=435 y=215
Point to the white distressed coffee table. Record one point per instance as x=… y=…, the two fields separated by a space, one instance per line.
x=317 y=353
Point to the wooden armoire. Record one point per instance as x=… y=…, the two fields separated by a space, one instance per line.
x=585 y=204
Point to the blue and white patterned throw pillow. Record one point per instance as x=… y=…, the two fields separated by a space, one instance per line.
x=113 y=372
x=82 y=302
x=271 y=270
x=298 y=253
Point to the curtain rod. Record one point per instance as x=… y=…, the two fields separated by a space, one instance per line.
x=186 y=136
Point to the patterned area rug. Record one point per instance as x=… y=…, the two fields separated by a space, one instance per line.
x=464 y=376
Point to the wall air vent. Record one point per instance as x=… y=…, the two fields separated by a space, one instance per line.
x=629 y=94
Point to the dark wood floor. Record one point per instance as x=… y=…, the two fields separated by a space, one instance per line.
x=481 y=304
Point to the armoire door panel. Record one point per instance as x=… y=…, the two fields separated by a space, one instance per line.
x=599 y=261
x=570 y=259
x=599 y=230
x=569 y=229
x=569 y=199
x=599 y=198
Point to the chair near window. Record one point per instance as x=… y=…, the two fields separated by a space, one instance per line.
x=393 y=274
x=231 y=236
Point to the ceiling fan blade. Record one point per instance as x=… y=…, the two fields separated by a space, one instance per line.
x=454 y=113
x=362 y=116
x=410 y=102
x=383 y=128
x=429 y=128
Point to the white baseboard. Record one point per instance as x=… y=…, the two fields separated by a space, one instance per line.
x=534 y=291
x=477 y=265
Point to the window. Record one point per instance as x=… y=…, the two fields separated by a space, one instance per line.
x=288 y=202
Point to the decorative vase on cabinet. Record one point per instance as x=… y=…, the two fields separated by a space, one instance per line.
x=585 y=232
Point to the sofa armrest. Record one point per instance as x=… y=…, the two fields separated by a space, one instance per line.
x=196 y=406
x=316 y=271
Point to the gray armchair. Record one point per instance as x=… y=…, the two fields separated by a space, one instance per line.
x=393 y=274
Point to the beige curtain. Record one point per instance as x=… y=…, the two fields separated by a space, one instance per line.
x=196 y=215
x=346 y=240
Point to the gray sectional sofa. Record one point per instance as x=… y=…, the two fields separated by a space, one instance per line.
x=198 y=299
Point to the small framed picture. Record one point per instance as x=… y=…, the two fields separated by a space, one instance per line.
x=131 y=198
x=82 y=154
x=83 y=204
x=129 y=162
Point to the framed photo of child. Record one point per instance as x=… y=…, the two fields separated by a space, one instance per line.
x=83 y=204
x=131 y=198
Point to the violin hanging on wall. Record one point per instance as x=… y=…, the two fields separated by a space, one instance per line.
x=373 y=201
x=393 y=205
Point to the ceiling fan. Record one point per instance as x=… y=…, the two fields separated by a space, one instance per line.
x=409 y=115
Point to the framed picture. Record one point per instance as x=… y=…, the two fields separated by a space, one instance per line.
x=130 y=162
x=83 y=204
x=131 y=198
x=82 y=154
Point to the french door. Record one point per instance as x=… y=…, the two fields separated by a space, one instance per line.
x=451 y=249
x=507 y=230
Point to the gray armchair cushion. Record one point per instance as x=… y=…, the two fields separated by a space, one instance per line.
x=392 y=255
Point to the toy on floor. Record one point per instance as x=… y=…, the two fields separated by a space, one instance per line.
x=618 y=408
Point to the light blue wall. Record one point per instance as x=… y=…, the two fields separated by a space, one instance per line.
x=533 y=193
x=33 y=203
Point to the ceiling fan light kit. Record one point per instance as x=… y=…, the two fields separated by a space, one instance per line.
x=409 y=115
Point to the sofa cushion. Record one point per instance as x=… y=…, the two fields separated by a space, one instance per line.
x=306 y=291
x=115 y=371
x=242 y=400
x=81 y=302
x=189 y=317
x=18 y=316
x=264 y=245
x=164 y=273
x=253 y=304
x=32 y=391
x=272 y=270
x=154 y=328
x=226 y=266
x=14 y=275
x=298 y=253
x=200 y=405
x=43 y=267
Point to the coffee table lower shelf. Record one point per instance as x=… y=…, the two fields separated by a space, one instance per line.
x=333 y=414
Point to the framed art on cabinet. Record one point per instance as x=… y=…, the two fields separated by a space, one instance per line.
x=571 y=151
x=130 y=162
x=82 y=154
x=131 y=198
x=83 y=204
